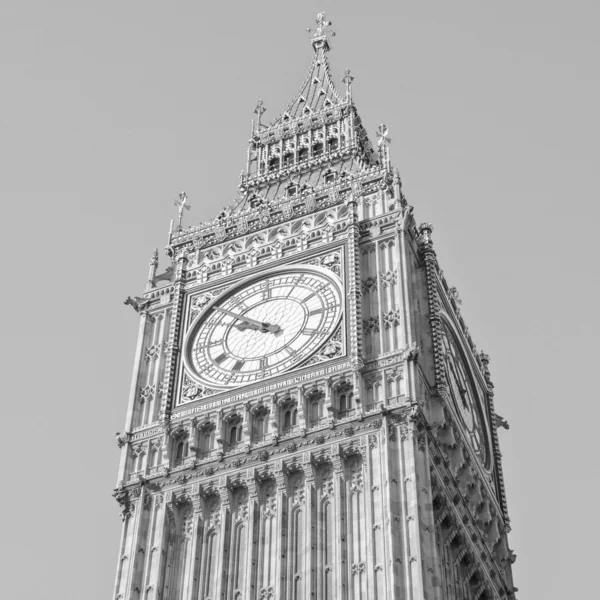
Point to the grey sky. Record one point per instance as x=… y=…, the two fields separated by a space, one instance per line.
x=109 y=109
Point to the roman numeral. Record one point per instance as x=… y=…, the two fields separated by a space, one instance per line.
x=264 y=363
x=238 y=366
x=317 y=311
x=220 y=358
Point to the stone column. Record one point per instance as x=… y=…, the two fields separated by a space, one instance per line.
x=310 y=527
x=157 y=551
x=281 y=529
x=340 y=564
x=250 y=589
x=134 y=531
x=223 y=562
x=191 y=582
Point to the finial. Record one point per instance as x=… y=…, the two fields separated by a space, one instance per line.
x=181 y=204
x=320 y=33
x=425 y=230
x=258 y=111
x=382 y=136
x=348 y=78
x=383 y=142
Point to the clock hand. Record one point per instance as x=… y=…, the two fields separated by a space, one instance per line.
x=248 y=323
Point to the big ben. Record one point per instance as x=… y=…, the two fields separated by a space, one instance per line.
x=309 y=417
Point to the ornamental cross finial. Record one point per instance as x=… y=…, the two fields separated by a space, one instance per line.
x=320 y=33
x=348 y=81
x=181 y=204
x=383 y=143
x=260 y=108
x=258 y=111
x=382 y=136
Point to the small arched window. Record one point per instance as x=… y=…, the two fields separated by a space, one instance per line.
x=274 y=164
x=317 y=149
x=287 y=419
x=180 y=450
x=332 y=144
x=303 y=154
x=343 y=406
x=260 y=428
x=154 y=457
x=314 y=411
x=206 y=443
x=288 y=159
x=294 y=417
x=233 y=435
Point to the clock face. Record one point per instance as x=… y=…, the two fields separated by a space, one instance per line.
x=264 y=326
x=464 y=393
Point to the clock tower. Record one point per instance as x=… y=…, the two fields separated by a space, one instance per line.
x=309 y=418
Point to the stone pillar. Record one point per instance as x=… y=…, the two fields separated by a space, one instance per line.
x=250 y=590
x=281 y=529
x=301 y=405
x=157 y=552
x=191 y=582
x=223 y=562
x=310 y=527
x=340 y=565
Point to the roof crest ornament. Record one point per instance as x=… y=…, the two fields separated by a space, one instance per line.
x=181 y=204
x=258 y=111
x=319 y=39
x=348 y=79
x=383 y=143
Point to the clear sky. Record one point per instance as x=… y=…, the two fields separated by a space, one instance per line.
x=109 y=109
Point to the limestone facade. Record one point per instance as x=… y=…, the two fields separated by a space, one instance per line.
x=369 y=470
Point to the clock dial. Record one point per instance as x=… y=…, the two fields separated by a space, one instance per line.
x=463 y=392
x=264 y=326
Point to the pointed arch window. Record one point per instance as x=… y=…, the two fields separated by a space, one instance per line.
x=303 y=154
x=290 y=419
x=274 y=163
x=235 y=436
x=288 y=159
x=332 y=144
x=315 y=410
x=153 y=457
x=181 y=450
x=207 y=440
x=346 y=405
x=317 y=149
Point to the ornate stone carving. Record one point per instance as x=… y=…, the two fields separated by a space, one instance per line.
x=388 y=278
x=355 y=469
x=269 y=491
x=392 y=318
x=326 y=480
x=297 y=487
x=194 y=391
x=369 y=285
x=371 y=325
x=240 y=502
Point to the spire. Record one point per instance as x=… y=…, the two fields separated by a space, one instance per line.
x=319 y=39
x=316 y=139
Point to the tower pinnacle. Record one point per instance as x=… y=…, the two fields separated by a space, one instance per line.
x=319 y=39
